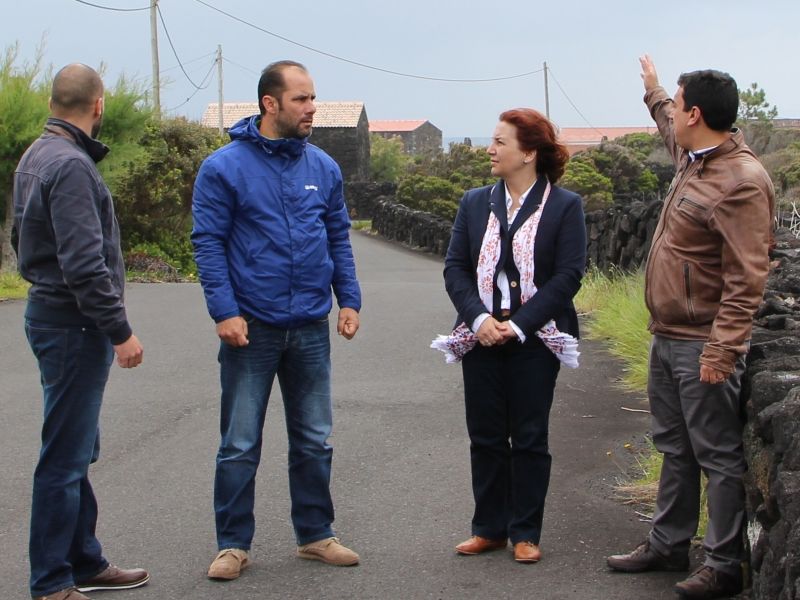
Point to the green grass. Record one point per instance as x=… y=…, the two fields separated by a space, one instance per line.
x=617 y=315
x=12 y=286
x=364 y=224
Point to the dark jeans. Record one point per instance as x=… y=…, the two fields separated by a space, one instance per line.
x=74 y=365
x=301 y=359
x=697 y=426
x=508 y=393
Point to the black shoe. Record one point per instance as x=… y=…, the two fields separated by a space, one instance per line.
x=645 y=558
x=708 y=582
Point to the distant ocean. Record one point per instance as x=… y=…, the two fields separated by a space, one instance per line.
x=476 y=141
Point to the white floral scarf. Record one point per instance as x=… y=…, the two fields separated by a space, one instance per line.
x=461 y=340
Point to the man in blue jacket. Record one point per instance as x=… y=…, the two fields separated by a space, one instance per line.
x=68 y=247
x=271 y=239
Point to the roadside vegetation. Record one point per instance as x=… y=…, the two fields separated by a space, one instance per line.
x=616 y=315
x=12 y=286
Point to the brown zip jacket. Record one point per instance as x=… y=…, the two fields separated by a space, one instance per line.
x=709 y=258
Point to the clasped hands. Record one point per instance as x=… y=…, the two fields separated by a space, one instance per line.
x=495 y=333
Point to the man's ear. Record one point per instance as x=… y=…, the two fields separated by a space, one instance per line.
x=270 y=104
x=99 y=106
x=695 y=116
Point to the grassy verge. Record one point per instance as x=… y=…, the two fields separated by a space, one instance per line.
x=617 y=315
x=362 y=225
x=12 y=286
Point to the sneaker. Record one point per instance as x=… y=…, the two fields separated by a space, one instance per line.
x=70 y=593
x=708 y=582
x=114 y=578
x=329 y=551
x=645 y=558
x=228 y=564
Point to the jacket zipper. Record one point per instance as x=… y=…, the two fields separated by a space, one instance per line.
x=691 y=203
x=688 y=283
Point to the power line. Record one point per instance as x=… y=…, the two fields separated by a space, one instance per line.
x=206 y=78
x=111 y=7
x=550 y=69
x=360 y=64
x=235 y=64
x=175 y=52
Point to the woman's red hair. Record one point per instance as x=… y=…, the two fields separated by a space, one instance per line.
x=535 y=133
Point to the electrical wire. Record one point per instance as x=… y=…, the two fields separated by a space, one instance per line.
x=207 y=77
x=360 y=64
x=235 y=64
x=175 y=52
x=550 y=71
x=111 y=7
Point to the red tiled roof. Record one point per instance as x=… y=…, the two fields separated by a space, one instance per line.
x=329 y=114
x=395 y=125
x=592 y=135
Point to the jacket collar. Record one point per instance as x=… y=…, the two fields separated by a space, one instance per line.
x=96 y=149
x=248 y=130
x=497 y=203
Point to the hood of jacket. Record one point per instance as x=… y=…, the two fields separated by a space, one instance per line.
x=247 y=130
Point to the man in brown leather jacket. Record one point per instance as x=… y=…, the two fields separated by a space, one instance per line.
x=704 y=281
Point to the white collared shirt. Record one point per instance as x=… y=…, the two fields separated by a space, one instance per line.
x=695 y=154
x=502 y=278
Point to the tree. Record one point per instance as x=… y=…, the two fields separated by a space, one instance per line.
x=387 y=159
x=153 y=192
x=753 y=105
x=583 y=178
x=755 y=117
x=23 y=110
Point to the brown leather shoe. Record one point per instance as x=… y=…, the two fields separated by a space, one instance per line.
x=708 y=582
x=70 y=593
x=114 y=578
x=331 y=551
x=527 y=552
x=228 y=564
x=478 y=545
x=645 y=558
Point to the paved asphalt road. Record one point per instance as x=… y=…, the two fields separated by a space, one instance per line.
x=401 y=473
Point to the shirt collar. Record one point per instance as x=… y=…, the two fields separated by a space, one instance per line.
x=695 y=154
x=510 y=200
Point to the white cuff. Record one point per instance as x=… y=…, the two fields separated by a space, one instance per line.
x=476 y=324
x=518 y=331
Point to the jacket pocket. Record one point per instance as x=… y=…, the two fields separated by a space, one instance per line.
x=687 y=284
x=692 y=209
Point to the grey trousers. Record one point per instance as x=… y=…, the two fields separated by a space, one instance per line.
x=696 y=426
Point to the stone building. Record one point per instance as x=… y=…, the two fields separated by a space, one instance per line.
x=340 y=128
x=418 y=136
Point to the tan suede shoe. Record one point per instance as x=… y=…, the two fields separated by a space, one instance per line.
x=329 y=551
x=71 y=593
x=228 y=564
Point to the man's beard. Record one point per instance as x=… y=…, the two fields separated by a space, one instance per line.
x=96 y=126
x=289 y=130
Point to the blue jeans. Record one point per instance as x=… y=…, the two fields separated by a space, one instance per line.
x=301 y=359
x=73 y=363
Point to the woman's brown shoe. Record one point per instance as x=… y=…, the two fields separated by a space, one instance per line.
x=527 y=552
x=478 y=545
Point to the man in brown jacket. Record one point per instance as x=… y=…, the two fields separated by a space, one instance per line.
x=704 y=281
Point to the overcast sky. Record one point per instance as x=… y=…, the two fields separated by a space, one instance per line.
x=591 y=49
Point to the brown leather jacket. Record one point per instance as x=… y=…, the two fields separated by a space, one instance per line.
x=709 y=259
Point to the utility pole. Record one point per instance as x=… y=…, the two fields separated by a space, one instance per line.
x=546 y=94
x=154 y=53
x=221 y=98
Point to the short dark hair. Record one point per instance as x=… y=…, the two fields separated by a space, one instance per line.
x=716 y=95
x=535 y=133
x=75 y=89
x=272 y=83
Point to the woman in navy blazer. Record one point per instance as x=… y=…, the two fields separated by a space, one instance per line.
x=510 y=373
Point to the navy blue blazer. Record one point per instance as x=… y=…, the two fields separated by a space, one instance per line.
x=559 y=255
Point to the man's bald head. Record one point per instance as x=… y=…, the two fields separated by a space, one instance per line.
x=76 y=88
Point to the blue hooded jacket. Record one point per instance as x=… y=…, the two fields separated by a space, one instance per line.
x=271 y=230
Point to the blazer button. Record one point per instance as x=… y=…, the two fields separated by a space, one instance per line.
x=513 y=284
